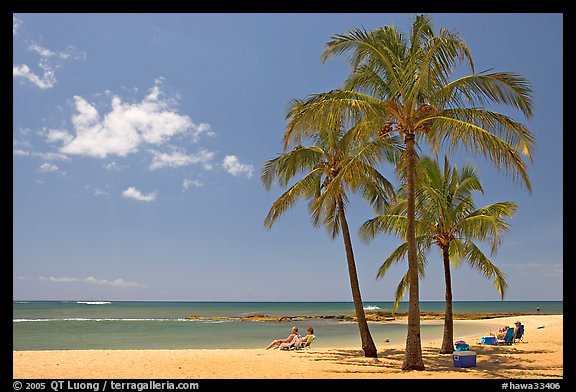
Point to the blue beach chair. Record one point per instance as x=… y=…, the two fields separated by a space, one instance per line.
x=519 y=334
x=508 y=338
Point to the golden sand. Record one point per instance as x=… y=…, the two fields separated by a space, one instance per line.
x=539 y=356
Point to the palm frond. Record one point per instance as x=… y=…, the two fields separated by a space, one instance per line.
x=355 y=168
x=436 y=59
x=302 y=189
x=469 y=182
x=401 y=291
x=370 y=80
x=374 y=187
x=480 y=89
x=384 y=46
x=511 y=132
x=504 y=156
x=397 y=256
x=269 y=172
x=457 y=251
x=327 y=112
x=326 y=211
x=383 y=224
x=328 y=216
x=284 y=167
x=404 y=283
x=479 y=261
x=488 y=223
x=420 y=33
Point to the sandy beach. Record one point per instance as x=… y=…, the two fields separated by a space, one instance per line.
x=538 y=356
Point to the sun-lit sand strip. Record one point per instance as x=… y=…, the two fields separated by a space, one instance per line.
x=539 y=356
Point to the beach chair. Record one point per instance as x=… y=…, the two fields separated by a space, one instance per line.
x=519 y=334
x=295 y=343
x=508 y=338
x=307 y=342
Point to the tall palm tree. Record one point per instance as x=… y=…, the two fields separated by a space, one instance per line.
x=401 y=84
x=447 y=218
x=334 y=165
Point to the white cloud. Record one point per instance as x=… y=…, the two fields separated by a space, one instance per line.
x=115 y=282
x=96 y=191
x=50 y=168
x=189 y=183
x=48 y=156
x=179 y=158
x=112 y=166
x=233 y=166
x=59 y=280
x=127 y=126
x=199 y=129
x=45 y=81
x=69 y=54
x=99 y=192
x=133 y=193
x=58 y=135
x=47 y=167
x=93 y=280
x=20 y=153
x=16 y=23
x=50 y=60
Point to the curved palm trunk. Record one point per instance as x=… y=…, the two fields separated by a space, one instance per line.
x=413 y=354
x=367 y=342
x=448 y=339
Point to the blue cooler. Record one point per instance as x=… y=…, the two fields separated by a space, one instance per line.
x=464 y=359
x=488 y=340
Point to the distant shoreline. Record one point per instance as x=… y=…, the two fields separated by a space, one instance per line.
x=370 y=316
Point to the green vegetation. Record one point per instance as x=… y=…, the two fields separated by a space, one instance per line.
x=402 y=87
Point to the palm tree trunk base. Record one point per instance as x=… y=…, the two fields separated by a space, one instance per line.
x=413 y=367
x=370 y=353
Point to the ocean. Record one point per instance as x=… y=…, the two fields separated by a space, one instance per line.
x=83 y=325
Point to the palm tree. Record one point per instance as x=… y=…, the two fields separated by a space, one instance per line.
x=448 y=218
x=334 y=165
x=401 y=84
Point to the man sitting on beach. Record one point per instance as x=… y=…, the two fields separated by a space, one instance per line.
x=518 y=324
x=276 y=343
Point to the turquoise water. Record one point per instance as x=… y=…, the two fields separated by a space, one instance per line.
x=66 y=325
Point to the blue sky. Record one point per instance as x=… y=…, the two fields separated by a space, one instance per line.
x=138 y=141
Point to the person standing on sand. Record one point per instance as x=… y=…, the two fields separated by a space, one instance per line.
x=278 y=342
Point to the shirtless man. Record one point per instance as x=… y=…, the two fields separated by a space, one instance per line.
x=278 y=342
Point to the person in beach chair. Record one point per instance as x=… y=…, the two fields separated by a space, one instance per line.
x=294 y=344
x=518 y=332
x=508 y=338
x=289 y=340
x=501 y=332
x=309 y=338
x=299 y=342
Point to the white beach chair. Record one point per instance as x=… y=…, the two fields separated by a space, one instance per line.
x=294 y=343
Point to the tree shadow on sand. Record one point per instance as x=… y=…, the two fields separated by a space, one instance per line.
x=491 y=362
